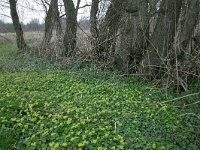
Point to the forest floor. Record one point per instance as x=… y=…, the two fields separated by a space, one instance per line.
x=47 y=105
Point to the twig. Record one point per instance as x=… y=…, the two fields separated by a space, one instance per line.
x=87 y=5
x=190 y=104
x=191 y=114
x=178 y=98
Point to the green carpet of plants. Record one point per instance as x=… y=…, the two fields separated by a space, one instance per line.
x=48 y=107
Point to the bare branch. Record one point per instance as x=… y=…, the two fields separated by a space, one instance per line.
x=178 y=98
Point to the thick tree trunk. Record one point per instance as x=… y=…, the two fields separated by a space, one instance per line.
x=142 y=30
x=182 y=56
x=71 y=28
x=188 y=22
x=133 y=35
x=126 y=49
x=162 y=37
x=21 y=44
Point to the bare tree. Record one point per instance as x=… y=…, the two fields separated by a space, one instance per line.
x=21 y=44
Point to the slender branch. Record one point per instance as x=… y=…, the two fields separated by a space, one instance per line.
x=178 y=98
x=191 y=114
x=86 y=5
x=189 y=104
x=63 y=15
x=5 y=15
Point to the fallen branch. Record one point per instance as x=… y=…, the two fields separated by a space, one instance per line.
x=178 y=98
x=189 y=104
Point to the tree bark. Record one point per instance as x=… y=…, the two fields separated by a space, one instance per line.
x=93 y=25
x=142 y=30
x=51 y=16
x=127 y=43
x=162 y=37
x=71 y=28
x=188 y=22
x=21 y=44
x=134 y=30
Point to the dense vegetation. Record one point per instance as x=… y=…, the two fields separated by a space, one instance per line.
x=61 y=89
x=47 y=105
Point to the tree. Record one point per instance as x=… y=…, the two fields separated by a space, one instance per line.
x=52 y=20
x=163 y=36
x=71 y=27
x=93 y=24
x=187 y=24
x=133 y=35
x=21 y=44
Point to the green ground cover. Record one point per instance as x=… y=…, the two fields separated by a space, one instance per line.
x=44 y=105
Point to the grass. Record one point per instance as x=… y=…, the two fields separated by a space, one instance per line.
x=35 y=39
x=45 y=105
x=7 y=48
x=31 y=38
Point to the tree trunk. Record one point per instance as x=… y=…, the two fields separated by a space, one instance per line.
x=162 y=37
x=93 y=25
x=50 y=22
x=71 y=28
x=133 y=35
x=21 y=44
x=188 y=22
x=126 y=48
x=108 y=31
x=142 y=30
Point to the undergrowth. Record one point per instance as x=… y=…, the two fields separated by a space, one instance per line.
x=45 y=105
